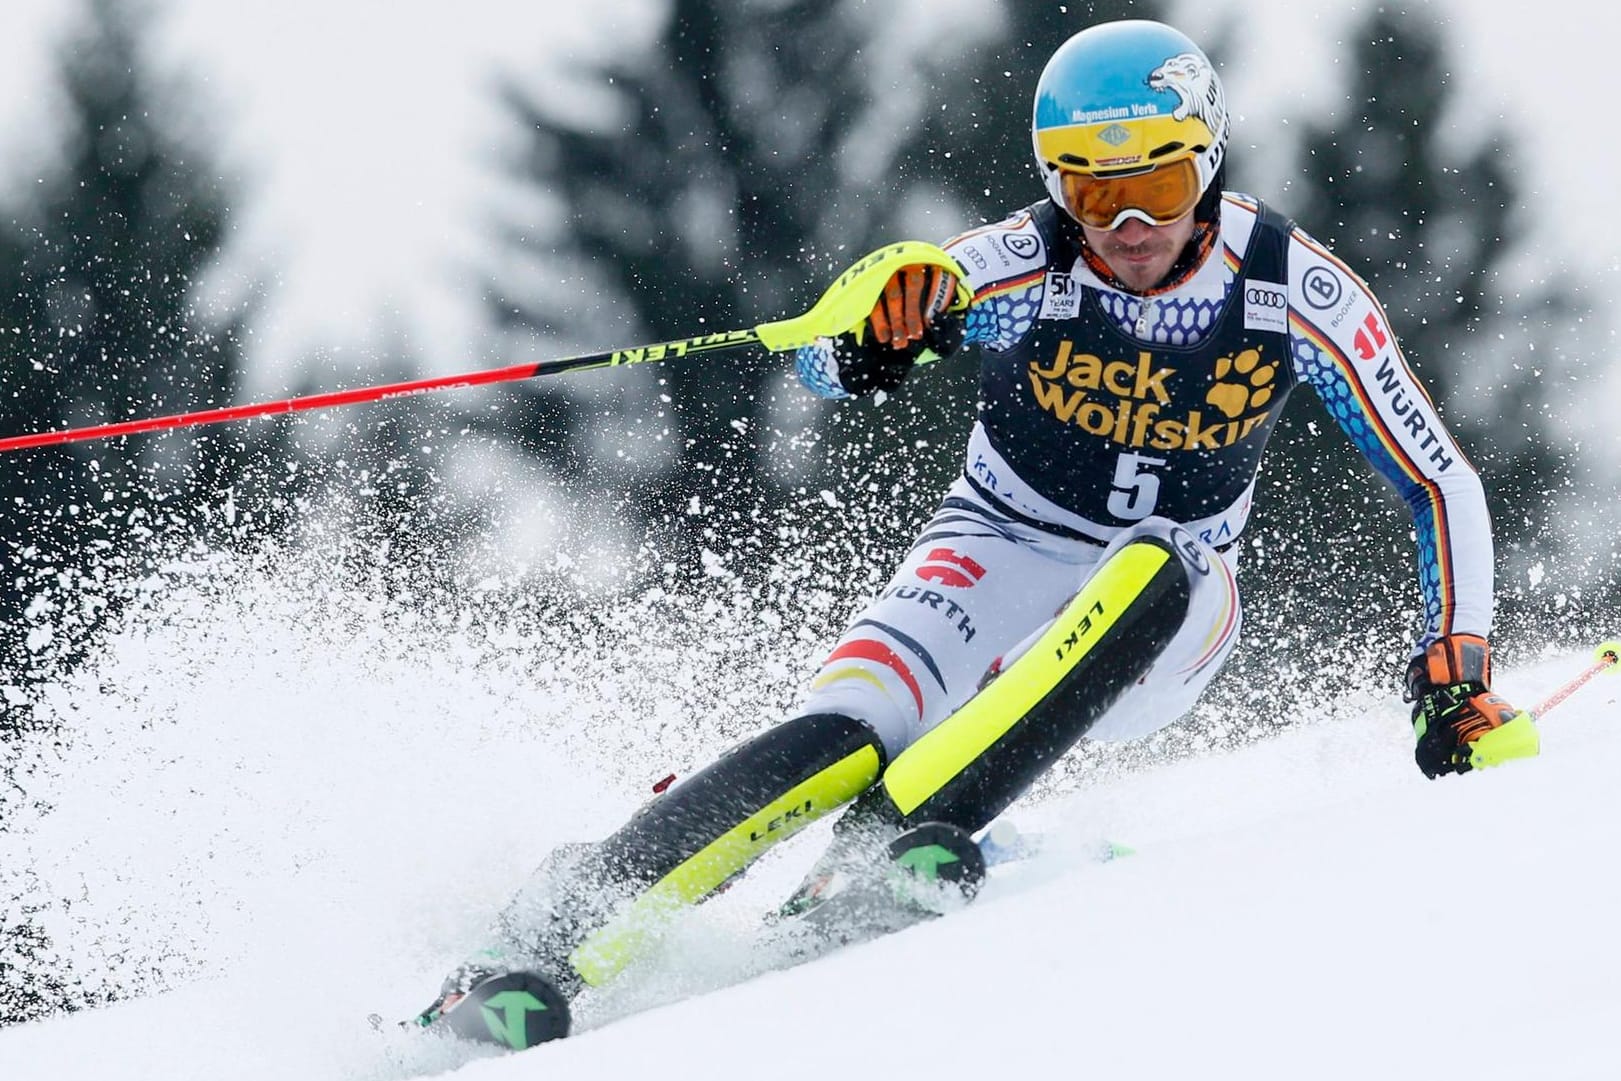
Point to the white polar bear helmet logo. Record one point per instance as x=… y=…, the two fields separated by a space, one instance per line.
x=1194 y=82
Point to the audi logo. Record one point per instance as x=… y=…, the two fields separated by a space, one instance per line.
x=1266 y=298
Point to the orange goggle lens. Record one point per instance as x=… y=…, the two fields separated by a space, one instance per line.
x=1163 y=193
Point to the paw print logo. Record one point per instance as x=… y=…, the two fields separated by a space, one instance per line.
x=1246 y=383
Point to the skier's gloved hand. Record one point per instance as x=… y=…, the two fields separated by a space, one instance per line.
x=1460 y=724
x=913 y=298
x=910 y=317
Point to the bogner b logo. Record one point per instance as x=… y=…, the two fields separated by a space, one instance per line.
x=1127 y=401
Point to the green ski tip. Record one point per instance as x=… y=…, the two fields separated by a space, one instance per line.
x=1114 y=850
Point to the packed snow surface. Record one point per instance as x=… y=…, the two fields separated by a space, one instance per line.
x=272 y=812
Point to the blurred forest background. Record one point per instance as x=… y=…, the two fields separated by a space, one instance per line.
x=760 y=147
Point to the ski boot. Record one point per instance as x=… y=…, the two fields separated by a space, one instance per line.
x=854 y=894
x=510 y=994
x=514 y=1010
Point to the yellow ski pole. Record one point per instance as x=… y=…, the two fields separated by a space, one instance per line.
x=841 y=308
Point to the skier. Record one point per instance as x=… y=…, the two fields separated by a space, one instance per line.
x=1139 y=331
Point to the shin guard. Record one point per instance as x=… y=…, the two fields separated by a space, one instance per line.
x=690 y=841
x=967 y=769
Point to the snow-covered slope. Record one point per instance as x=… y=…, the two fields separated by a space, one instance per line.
x=309 y=829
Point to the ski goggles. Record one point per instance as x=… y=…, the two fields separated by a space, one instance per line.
x=1159 y=195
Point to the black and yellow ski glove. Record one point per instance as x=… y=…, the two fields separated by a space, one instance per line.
x=911 y=317
x=1460 y=724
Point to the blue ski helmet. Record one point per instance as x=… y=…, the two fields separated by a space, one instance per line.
x=1122 y=98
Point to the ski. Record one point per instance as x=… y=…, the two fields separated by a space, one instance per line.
x=855 y=894
x=926 y=871
x=1004 y=843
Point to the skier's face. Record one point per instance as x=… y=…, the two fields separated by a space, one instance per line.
x=1141 y=254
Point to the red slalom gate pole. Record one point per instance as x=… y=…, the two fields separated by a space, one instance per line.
x=1607 y=659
